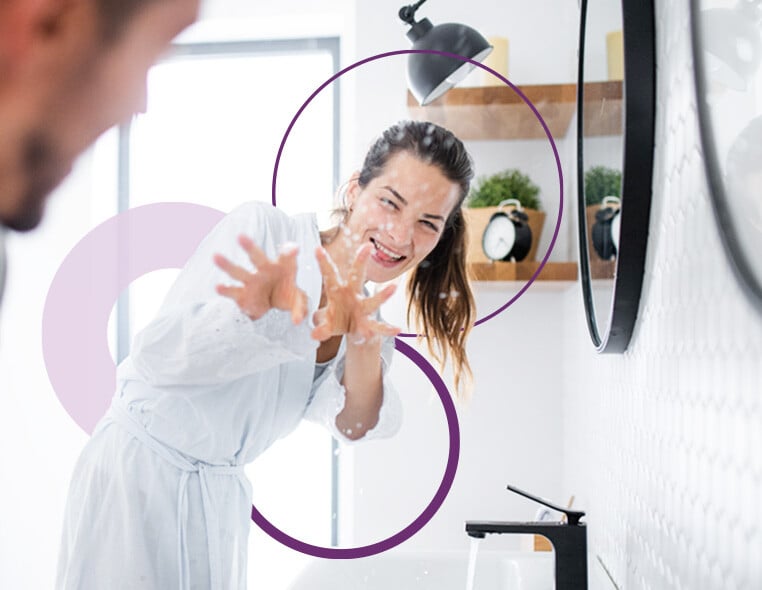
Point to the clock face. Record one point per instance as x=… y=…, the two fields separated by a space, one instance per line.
x=499 y=236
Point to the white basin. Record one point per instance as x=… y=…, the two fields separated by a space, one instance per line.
x=419 y=570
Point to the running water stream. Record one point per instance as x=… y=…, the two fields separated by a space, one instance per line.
x=472 y=563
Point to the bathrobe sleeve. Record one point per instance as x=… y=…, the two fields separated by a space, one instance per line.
x=200 y=337
x=328 y=397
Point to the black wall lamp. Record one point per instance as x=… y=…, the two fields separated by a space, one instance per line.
x=431 y=75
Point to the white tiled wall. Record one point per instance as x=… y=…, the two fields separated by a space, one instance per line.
x=663 y=445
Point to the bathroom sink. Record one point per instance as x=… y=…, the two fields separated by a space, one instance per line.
x=421 y=570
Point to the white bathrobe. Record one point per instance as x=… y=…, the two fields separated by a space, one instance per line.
x=159 y=498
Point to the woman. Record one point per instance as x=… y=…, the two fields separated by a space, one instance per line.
x=159 y=498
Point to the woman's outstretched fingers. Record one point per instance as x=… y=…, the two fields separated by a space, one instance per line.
x=299 y=307
x=322 y=330
x=375 y=301
x=327 y=268
x=230 y=292
x=360 y=265
x=256 y=254
x=287 y=259
x=235 y=271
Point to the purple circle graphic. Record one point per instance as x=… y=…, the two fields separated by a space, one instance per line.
x=80 y=299
x=87 y=284
x=428 y=512
x=505 y=81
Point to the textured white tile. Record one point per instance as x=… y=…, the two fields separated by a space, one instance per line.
x=663 y=444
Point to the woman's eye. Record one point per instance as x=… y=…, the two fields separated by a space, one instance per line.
x=430 y=225
x=389 y=203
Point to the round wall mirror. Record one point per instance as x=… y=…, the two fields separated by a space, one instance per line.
x=615 y=133
x=727 y=51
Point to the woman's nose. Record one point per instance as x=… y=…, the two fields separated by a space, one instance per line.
x=401 y=232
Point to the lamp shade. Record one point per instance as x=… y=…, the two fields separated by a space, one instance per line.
x=431 y=75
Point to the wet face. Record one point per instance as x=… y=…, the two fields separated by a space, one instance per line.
x=402 y=213
x=93 y=86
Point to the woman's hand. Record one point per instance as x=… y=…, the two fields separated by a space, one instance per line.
x=271 y=285
x=346 y=309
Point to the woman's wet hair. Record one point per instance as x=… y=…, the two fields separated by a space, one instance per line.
x=440 y=301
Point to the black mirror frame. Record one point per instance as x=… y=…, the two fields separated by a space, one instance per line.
x=721 y=204
x=639 y=95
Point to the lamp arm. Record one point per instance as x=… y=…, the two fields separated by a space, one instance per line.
x=407 y=13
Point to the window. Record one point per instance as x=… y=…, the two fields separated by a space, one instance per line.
x=215 y=119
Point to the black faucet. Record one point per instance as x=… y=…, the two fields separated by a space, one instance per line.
x=569 y=540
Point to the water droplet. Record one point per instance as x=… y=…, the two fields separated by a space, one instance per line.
x=454 y=294
x=337 y=452
x=424 y=264
x=348 y=431
x=358 y=425
x=443 y=295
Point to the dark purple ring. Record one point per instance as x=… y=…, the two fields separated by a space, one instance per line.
x=504 y=80
x=439 y=497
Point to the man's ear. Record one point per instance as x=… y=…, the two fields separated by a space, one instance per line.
x=22 y=22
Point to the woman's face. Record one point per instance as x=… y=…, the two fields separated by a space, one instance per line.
x=402 y=212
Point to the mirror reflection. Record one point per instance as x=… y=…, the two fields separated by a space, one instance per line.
x=602 y=148
x=728 y=54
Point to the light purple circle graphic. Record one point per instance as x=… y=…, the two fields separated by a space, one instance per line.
x=428 y=512
x=505 y=81
x=88 y=282
x=79 y=302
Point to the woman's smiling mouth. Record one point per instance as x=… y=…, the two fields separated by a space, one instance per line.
x=384 y=255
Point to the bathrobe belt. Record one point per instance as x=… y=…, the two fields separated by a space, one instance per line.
x=119 y=414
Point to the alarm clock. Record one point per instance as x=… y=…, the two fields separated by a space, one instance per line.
x=507 y=235
x=605 y=230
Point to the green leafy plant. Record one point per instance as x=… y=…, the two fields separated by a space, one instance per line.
x=509 y=184
x=601 y=182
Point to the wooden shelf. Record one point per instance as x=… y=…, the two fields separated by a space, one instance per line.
x=522 y=271
x=497 y=112
x=603 y=108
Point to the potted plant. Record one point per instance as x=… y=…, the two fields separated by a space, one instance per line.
x=483 y=200
x=601 y=182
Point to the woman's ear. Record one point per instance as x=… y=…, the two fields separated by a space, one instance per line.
x=353 y=189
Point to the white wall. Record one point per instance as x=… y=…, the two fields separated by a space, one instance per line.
x=542 y=51
x=663 y=445
x=510 y=432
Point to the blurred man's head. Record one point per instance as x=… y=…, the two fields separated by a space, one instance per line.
x=69 y=70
